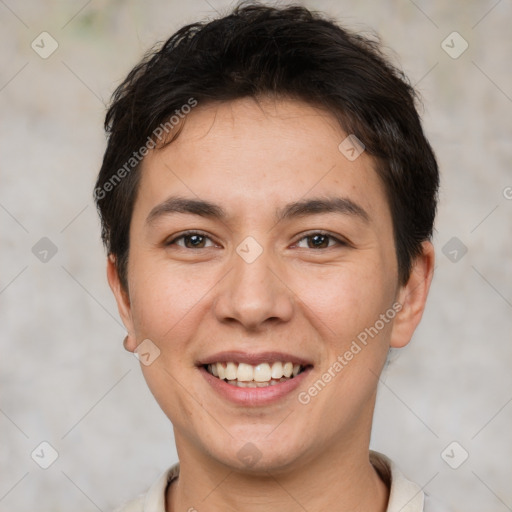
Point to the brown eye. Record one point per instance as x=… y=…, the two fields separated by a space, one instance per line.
x=194 y=241
x=191 y=241
x=318 y=241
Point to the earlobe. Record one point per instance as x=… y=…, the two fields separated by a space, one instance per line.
x=413 y=297
x=129 y=343
x=123 y=302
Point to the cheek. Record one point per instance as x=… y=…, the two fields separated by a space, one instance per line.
x=345 y=300
x=168 y=385
x=166 y=300
x=167 y=307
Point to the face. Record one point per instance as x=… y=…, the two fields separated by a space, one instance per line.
x=257 y=248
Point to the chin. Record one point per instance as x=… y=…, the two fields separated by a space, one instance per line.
x=259 y=454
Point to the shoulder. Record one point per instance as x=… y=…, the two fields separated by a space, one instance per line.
x=154 y=499
x=136 y=505
x=432 y=505
x=404 y=495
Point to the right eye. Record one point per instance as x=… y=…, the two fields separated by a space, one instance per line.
x=191 y=240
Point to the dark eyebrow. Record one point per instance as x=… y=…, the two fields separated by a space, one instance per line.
x=322 y=205
x=297 y=209
x=184 y=205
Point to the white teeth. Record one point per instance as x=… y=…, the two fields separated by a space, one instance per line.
x=253 y=384
x=277 y=370
x=244 y=372
x=231 y=369
x=247 y=374
x=262 y=373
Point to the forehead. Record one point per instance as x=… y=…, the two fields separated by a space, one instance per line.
x=252 y=157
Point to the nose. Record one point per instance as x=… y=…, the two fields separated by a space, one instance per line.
x=254 y=295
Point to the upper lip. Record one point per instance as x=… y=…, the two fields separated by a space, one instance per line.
x=252 y=358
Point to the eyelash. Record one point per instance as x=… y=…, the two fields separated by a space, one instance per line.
x=304 y=237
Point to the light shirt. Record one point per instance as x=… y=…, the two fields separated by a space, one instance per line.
x=404 y=495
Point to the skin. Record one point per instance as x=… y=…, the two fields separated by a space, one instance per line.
x=252 y=159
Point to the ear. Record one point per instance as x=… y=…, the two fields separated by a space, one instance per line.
x=123 y=302
x=413 y=296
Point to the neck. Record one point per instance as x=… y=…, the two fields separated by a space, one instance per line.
x=340 y=479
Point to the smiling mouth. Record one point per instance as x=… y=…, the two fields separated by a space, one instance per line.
x=258 y=376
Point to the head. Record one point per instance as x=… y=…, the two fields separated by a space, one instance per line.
x=267 y=192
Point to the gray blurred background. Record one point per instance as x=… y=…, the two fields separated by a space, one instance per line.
x=65 y=379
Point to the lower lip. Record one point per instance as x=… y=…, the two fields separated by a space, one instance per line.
x=254 y=396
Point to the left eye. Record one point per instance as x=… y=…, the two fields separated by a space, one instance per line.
x=192 y=241
x=318 y=241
